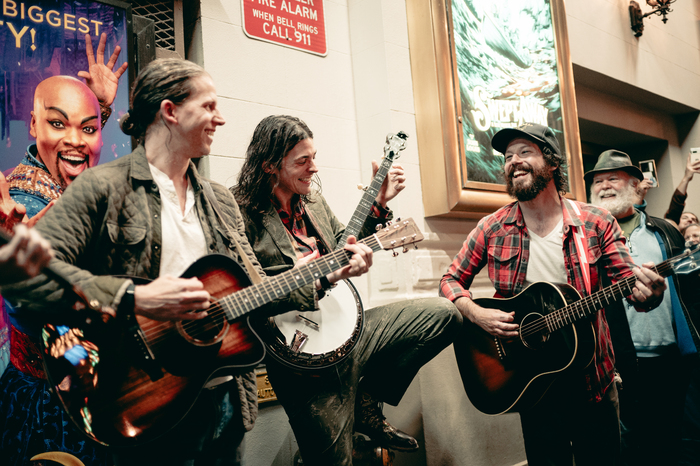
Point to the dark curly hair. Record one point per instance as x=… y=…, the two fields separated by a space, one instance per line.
x=272 y=140
x=162 y=79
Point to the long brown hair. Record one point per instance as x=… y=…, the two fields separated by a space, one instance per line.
x=272 y=140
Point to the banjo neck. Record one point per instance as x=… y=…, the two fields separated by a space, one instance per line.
x=394 y=144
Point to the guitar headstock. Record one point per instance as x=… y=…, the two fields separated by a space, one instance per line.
x=399 y=234
x=394 y=144
x=688 y=262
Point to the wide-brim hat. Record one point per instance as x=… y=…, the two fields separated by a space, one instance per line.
x=613 y=160
x=532 y=131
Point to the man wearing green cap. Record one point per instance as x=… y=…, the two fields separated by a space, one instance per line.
x=534 y=239
x=652 y=350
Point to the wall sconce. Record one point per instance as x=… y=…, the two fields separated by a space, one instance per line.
x=659 y=7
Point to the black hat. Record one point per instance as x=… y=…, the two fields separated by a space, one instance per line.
x=538 y=133
x=613 y=160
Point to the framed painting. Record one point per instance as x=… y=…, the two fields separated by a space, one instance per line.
x=479 y=66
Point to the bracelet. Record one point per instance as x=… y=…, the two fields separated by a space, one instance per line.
x=125 y=310
x=105 y=113
x=325 y=283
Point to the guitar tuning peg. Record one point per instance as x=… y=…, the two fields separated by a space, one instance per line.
x=398 y=219
x=415 y=246
x=378 y=227
x=362 y=187
x=405 y=249
x=394 y=253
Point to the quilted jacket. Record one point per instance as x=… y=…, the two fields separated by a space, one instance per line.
x=273 y=248
x=107 y=223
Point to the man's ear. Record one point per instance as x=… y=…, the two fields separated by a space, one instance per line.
x=168 y=110
x=267 y=168
x=32 y=125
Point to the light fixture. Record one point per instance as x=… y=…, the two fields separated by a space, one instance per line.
x=659 y=7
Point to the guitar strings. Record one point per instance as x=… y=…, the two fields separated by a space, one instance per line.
x=589 y=302
x=250 y=298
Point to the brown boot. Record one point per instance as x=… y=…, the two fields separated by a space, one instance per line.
x=370 y=421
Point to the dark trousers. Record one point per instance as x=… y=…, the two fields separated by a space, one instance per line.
x=651 y=410
x=690 y=441
x=398 y=340
x=210 y=435
x=564 y=427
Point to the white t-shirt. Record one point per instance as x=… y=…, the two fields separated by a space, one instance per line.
x=546 y=263
x=183 y=237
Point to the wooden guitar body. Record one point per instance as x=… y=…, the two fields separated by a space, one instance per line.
x=500 y=375
x=128 y=380
x=145 y=378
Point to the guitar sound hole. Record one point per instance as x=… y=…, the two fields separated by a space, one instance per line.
x=533 y=332
x=205 y=331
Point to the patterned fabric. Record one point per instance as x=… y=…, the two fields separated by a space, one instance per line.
x=32 y=177
x=32 y=422
x=25 y=354
x=501 y=242
x=304 y=243
x=4 y=337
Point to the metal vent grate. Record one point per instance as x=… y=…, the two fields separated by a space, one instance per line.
x=163 y=15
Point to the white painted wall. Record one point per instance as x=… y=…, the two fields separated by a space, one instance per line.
x=665 y=60
x=351 y=99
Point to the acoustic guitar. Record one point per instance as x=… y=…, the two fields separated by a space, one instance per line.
x=137 y=381
x=510 y=375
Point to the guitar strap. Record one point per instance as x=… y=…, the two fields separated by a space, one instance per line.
x=582 y=250
x=255 y=277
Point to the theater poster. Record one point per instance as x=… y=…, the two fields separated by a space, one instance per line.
x=507 y=72
x=507 y=63
x=44 y=38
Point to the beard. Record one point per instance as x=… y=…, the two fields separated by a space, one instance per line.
x=524 y=192
x=623 y=200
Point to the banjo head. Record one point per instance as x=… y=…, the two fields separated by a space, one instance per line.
x=318 y=339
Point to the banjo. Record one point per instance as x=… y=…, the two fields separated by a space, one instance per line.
x=320 y=339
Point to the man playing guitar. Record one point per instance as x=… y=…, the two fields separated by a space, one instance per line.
x=533 y=240
x=287 y=220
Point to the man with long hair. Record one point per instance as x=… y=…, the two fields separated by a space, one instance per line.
x=288 y=221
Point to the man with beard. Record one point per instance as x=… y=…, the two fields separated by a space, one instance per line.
x=533 y=240
x=654 y=350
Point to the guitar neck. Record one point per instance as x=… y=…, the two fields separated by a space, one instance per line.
x=364 y=207
x=600 y=299
x=253 y=297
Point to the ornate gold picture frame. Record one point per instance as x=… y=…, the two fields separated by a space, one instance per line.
x=479 y=66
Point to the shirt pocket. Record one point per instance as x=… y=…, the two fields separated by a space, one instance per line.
x=503 y=257
x=125 y=235
x=127 y=243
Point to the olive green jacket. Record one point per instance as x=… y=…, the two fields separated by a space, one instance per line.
x=275 y=251
x=107 y=224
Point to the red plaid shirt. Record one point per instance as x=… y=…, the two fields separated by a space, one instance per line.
x=501 y=240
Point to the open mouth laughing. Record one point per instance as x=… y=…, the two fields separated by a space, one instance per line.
x=73 y=163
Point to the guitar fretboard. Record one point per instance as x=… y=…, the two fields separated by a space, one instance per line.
x=370 y=194
x=253 y=297
x=363 y=208
x=593 y=303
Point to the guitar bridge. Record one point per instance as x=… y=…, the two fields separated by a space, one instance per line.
x=145 y=359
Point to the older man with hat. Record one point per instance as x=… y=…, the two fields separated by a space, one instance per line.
x=544 y=236
x=652 y=350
